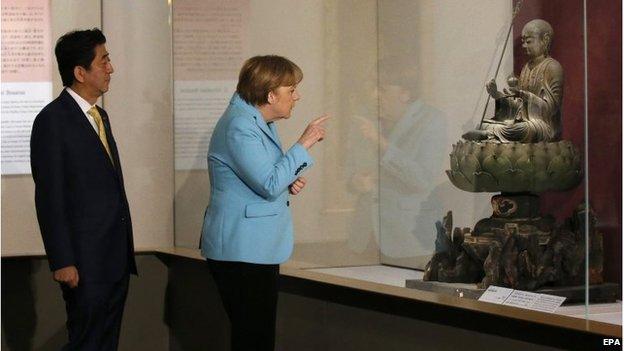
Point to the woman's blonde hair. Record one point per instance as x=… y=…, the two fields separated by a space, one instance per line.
x=263 y=74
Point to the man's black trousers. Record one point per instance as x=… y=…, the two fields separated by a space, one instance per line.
x=94 y=313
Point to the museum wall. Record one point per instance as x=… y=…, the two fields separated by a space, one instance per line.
x=139 y=106
x=604 y=110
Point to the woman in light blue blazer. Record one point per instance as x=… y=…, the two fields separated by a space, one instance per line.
x=247 y=229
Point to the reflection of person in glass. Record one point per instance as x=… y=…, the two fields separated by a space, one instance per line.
x=408 y=134
x=530 y=111
x=247 y=230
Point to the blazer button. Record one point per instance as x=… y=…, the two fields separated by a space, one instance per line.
x=287 y=203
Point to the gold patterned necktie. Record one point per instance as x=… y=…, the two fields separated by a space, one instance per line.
x=93 y=112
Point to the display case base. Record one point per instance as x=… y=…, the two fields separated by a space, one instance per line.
x=607 y=292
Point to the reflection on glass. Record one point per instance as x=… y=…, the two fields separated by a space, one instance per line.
x=397 y=195
x=411 y=132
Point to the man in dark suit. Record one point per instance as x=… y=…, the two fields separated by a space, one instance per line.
x=80 y=198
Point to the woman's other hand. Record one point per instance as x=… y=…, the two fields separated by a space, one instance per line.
x=314 y=132
x=296 y=187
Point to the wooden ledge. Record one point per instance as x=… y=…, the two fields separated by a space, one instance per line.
x=300 y=270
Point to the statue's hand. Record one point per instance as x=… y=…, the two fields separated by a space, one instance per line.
x=475 y=135
x=493 y=121
x=492 y=89
x=518 y=92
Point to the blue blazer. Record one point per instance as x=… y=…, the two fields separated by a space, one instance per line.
x=248 y=218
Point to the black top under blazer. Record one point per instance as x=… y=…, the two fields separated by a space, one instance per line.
x=80 y=198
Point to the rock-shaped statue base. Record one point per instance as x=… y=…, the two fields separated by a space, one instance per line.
x=517 y=248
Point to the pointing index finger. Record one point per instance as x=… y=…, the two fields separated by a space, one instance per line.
x=321 y=119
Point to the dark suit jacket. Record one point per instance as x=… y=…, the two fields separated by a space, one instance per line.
x=79 y=194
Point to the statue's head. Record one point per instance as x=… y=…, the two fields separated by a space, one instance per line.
x=536 y=38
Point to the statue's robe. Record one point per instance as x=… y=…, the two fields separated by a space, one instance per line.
x=538 y=116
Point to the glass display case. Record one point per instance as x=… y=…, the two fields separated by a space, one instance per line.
x=465 y=137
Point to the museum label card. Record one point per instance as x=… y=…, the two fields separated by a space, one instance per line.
x=522 y=299
x=534 y=301
x=495 y=294
x=547 y=303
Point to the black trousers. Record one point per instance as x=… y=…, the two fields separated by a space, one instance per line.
x=249 y=294
x=94 y=312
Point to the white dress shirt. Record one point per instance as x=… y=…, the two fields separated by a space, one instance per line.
x=84 y=106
